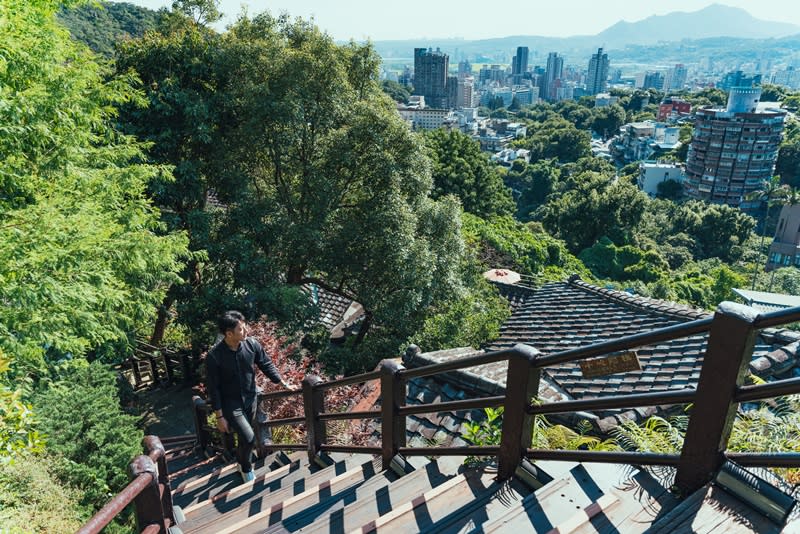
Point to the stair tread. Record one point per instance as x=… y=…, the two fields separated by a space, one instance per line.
x=628 y=507
x=711 y=509
x=257 y=510
x=225 y=478
x=344 y=517
x=550 y=505
x=440 y=504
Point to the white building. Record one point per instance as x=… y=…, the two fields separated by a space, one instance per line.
x=652 y=173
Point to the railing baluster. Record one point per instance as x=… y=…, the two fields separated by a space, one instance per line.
x=730 y=347
x=148 y=503
x=393 y=425
x=200 y=417
x=155 y=451
x=522 y=384
x=313 y=405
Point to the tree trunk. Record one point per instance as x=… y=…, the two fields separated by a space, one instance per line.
x=365 y=325
x=162 y=319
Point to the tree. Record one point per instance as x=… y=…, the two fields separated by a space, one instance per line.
x=614 y=208
x=397 y=91
x=323 y=183
x=787 y=165
x=83 y=259
x=770 y=193
x=607 y=120
x=202 y=12
x=556 y=138
x=103 y=25
x=180 y=121
x=462 y=170
x=670 y=189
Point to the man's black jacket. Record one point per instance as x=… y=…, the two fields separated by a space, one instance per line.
x=230 y=375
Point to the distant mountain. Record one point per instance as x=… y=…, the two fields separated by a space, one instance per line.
x=715 y=20
x=102 y=25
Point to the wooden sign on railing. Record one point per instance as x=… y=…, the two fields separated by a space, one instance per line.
x=619 y=363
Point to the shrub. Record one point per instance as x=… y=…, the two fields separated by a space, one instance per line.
x=91 y=437
x=33 y=500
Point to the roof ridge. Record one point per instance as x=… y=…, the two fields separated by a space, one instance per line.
x=646 y=304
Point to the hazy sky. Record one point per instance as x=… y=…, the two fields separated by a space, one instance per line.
x=479 y=19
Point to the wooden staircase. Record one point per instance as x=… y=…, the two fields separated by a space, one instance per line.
x=344 y=492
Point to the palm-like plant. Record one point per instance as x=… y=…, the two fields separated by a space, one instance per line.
x=771 y=193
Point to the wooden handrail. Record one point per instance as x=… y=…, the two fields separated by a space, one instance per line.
x=788 y=386
x=628 y=342
x=728 y=353
x=777 y=318
x=634 y=400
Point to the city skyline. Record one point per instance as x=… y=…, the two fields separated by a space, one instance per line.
x=362 y=19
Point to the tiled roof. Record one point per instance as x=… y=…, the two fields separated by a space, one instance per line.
x=566 y=315
x=332 y=307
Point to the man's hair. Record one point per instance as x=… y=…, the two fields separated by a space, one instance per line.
x=229 y=320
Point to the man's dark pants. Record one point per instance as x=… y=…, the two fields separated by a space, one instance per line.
x=242 y=422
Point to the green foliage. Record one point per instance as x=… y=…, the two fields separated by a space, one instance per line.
x=321 y=181
x=17 y=427
x=82 y=258
x=471 y=320
x=608 y=120
x=614 y=208
x=670 y=189
x=657 y=435
x=396 y=91
x=459 y=168
x=627 y=262
x=787 y=165
x=532 y=183
x=102 y=25
x=32 y=499
x=504 y=242
x=90 y=436
x=556 y=138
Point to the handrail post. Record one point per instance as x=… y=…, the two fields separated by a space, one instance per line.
x=393 y=425
x=137 y=373
x=203 y=435
x=148 y=502
x=730 y=347
x=168 y=367
x=153 y=370
x=522 y=384
x=155 y=451
x=313 y=405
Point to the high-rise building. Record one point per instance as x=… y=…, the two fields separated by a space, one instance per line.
x=733 y=150
x=653 y=80
x=738 y=79
x=452 y=92
x=519 y=65
x=464 y=69
x=430 y=76
x=466 y=95
x=597 y=75
x=785 y=248
x=552 y=76
x=675 y=78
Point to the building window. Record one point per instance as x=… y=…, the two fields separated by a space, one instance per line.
x=787 y=260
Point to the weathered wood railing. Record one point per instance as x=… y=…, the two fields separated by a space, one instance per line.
x=720 y=388
x=162 y=365
x=149 y=491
